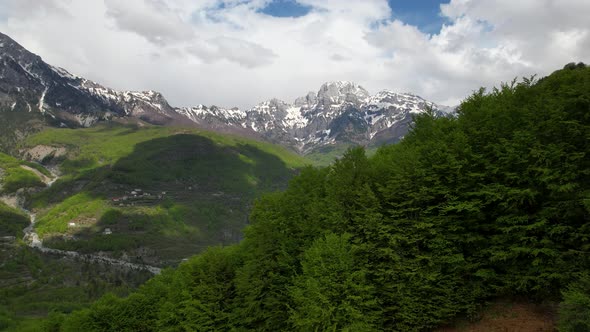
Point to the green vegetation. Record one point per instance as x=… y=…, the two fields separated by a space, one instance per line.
x=201 y=186
x=14 y=177
x=574 y=311
x=489 y=204
x=210 y=181
x=33 y=285
x=106 y=144
x=332 y=292
x=77 y=206
x=16 y=125
x=12 y=221
x=326 y=155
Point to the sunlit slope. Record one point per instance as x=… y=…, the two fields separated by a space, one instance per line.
x=195 y=189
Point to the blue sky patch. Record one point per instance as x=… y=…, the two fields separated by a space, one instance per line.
x=424 y=14
x=285 y=8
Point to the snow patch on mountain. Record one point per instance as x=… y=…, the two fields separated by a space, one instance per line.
x=295 y=118
x=63 y=73
x=42 y=100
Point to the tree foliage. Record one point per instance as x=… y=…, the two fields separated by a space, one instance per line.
x=574 y=311
x=495 y=201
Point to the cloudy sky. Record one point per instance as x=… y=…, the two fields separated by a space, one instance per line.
x=240 y=52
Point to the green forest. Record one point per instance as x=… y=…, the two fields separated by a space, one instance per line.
x=493 y=202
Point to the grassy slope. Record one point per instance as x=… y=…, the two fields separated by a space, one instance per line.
x=210 y=181
x=108 y=143
x=12 y=221
x=326 y=155
x=14 y=177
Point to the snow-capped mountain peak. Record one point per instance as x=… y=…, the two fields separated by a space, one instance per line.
x=386 y=99
x=339 y=112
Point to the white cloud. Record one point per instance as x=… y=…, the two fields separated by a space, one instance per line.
x=203 y=51
x=151 y=19
x=32 y=8
x=242 y=52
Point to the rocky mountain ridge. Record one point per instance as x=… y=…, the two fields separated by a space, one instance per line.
x=29 y=84
x=340 y=112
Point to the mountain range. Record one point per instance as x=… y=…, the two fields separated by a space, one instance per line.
x=339 y=112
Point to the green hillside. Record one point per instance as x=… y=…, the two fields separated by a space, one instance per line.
x=195 y=189
x=493 y=203
x=15 y=175
x=210 y=181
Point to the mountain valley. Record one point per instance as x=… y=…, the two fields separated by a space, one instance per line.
x=342 y=210
x=125 y=202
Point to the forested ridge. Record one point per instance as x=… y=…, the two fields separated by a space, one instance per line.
x=494 y=202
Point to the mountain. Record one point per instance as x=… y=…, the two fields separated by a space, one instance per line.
x=29 y=84
x=339 y=113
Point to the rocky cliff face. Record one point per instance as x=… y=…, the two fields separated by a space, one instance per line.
x=339 y=112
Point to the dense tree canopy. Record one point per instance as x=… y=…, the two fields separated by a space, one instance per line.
x=493 y=202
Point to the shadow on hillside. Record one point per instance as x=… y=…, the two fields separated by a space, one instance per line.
x=208 y=189
x=108 y=127
x=193 y=159
x=15 y=125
